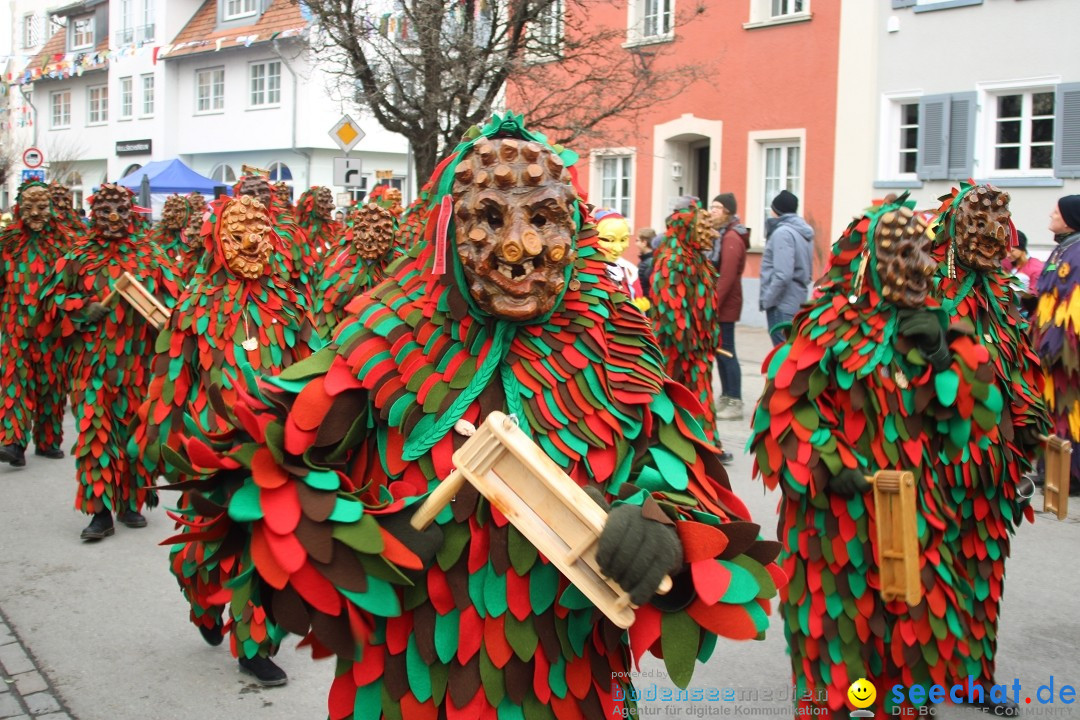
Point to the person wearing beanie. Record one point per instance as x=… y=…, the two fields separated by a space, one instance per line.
x=729 y=257
x=1023 y=267
x=1056 y=321
x=786 y=264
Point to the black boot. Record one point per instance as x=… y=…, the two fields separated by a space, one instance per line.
x=212 y=635
x=14 y=455
x=100 y=527
x=264 y=670
x=132 y=519
x=53 y=453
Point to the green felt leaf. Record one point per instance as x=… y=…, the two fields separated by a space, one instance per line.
x=677 y=443
x=347 y=510
x=557 y=677
x=317 y=364
x=491 y=679
x=322 y=480
x=679 y=635
x=543 y=587
x=495 y=593
x=742 y=588
x=419 y=679
x=446 y=634
x=521 y=636
x=380 y=598
x=368 y=703
x=455 y=537
x=522 y=552
x=362 y=536
x=671 y=468
x=244 y=505
x=946 y=384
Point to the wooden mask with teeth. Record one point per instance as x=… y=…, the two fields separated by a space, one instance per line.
x=324 y=203
x=61 y=195
x=245 y=228
x=514 y=226
x=983 y=231
x=197 y=203
x=35 y=207
x=904 y=265
x=111 y=210
x=256 y=186
x=372 y=232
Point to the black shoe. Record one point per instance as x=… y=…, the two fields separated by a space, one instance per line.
x=265 y=671
x=100 y=527
x=51 y=453
x=14 y=455
x=726 y=458
x=212 y=635
x=132 y=519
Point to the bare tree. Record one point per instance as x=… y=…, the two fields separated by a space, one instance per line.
x=433 y=68
x=62 y=154
x=8 y=158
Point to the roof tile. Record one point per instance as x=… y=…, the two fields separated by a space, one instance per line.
x=200 y=35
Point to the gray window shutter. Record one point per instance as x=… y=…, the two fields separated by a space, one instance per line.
x=961 y=135
x=1067 y=131
x=933 y=137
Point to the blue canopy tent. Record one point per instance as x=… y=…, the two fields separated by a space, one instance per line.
x=167 y=177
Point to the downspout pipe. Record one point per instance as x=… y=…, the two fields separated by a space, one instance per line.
x=295 y=109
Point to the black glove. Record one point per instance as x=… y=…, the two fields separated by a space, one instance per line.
x=636 y=552
x=849 y=482
x=95 y=311
x=425 y=543
x=924 y=329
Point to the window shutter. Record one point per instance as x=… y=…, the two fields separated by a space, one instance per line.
x=897 y=4
x=933 y=137
x=1067 y=131
x=961 y=135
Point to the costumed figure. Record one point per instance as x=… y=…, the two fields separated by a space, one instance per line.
x=235 y=316
x=315 y=216
x=684 y=304
x=389 y=197
x=292 y=255
x=613 y=233
x=111 y=349
x=192 y=253
x=983 y=479
x=506 y=306
x=356 y=268
x=168 y=233
x=1057 y=329
x=32 y=357
x=866 y=382
x=65 y=210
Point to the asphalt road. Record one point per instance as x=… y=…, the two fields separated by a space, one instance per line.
x=107 y=627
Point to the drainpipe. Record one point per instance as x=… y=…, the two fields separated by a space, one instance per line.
x=295 y=106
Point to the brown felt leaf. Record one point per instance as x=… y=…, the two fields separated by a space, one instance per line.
x=290 y=611
x=317 y=538
x=316 y=504
x=464 y=680
x=333 y=631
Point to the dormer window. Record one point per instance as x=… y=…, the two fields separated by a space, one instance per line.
x=236 y=9
x=81 y=33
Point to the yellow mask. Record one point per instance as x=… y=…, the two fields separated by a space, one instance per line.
x=614 y=232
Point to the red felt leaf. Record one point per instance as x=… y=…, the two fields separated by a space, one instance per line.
x=281 y=508
x=342 y=697
x=711 y=580
x=287 y=550
x=700 y=541
x=578 y=676
x=683 y=398
x=644 y=632
x=541 y=682
x=442 y=599
x=371 y=665
x=517 y=595
x=498 y=648
x=311 y=405
x=470 y=634
x=317 y=590
x=396 y=552
x=398 y=630
x=265 y=562
x=728 y=621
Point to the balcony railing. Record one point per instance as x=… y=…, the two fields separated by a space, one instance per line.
x=138 y=35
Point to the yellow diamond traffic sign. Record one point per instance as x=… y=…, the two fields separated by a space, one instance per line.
x=346 y=133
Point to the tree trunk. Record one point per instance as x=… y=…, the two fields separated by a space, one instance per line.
x=425 y=151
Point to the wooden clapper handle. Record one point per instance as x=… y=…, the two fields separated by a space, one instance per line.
x=1058 y=469
x=897 y=535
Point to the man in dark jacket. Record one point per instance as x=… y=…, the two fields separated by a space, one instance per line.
x=645 y=238
x=729 y=256
x=786 y=265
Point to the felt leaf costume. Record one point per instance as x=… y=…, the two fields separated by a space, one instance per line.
x=110 y=362
x=684 y=305
x=334 y=445
x=293 y=256
x=848 y=390
x=168 y=233
x=981 y=474
x=32 y=357
x=227 y=322
x=358 y=266
x=315 y=216
x=1057 y=341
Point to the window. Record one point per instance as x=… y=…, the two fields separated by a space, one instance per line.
x=130 y=169
x=1023 y=133
x=235 y=9
x=147 y=30
x=125 y=97
x=908 y=139
x=265 y=83
x=782 y=8
x=650 y=20
x=223 y=174
x=280 y=172
x=782 y=171
x=82 y=33
x=210 y=90
x=357 y=194
x=29 y=31
x=547 y=31
x=127 y=20
x=147 y=95
x=97 y=104
x=616 y=183
x=61 y=108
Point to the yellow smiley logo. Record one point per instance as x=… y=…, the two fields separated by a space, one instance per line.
x=862 y=693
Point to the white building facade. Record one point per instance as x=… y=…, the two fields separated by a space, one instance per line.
x=244 y=91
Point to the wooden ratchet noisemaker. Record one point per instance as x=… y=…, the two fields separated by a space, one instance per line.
x=139 y=298
x=519 y=479
x=897 y=535
x=1058 y=464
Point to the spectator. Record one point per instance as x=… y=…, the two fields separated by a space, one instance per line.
x=645 y=238
x=339 y=216
x=1026 y=268
x=82 y=216
x=729 y=257
x=786 y=264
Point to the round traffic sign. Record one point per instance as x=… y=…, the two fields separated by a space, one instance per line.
x=33 y=158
